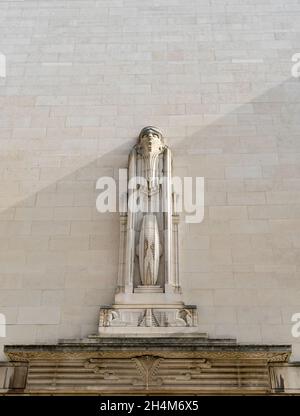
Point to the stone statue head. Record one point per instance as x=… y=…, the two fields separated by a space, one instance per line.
x=150 y=141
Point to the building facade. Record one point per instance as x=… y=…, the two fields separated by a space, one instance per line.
x=78 y=81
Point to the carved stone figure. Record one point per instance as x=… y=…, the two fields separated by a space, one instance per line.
x=109 y=317
x=149 y=228
x=185 y=316
x=150 y=146
x=148 y=297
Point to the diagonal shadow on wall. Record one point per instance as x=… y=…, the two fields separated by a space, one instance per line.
x=59 y=256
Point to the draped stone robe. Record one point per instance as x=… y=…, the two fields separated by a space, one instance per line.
x=149 y=230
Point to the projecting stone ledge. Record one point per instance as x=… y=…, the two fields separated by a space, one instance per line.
x=179 y=346
x=164 y=365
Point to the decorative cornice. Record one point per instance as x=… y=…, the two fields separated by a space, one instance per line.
x=132 y=349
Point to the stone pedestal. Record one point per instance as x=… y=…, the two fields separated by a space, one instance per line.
x=148 y=289
x=148 y=320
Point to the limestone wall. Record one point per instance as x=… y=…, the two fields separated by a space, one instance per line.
x=82 y=78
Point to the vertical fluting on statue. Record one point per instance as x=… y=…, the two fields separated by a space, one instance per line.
x=130 y=238
x=167 y=215
x=122 y=252
x=175 y=263
x=149 y=250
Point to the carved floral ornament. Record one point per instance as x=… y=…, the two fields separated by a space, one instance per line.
x=147 y=367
